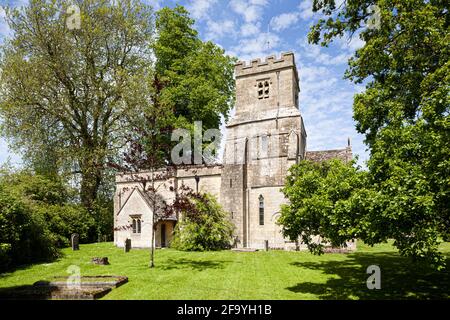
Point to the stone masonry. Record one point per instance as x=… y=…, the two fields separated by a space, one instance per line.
x=264 y=138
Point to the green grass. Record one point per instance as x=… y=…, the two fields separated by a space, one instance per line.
x=248 y=275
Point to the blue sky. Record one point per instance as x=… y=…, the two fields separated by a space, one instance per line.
x=250 y=29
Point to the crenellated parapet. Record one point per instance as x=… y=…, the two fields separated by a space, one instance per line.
x=287 y=60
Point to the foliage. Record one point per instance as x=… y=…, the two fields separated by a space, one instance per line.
x=203 y=225
x=45 y=214
x=36 y=188
x=339 y=202
x=103 y=218
x=24 y=236
x=404 y=113
x=62 y=91
x=319 y=196
x=64 y=220
x=198 y=76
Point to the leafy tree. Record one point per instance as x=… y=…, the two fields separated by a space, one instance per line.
x=203 y=225
x=62 y=90
x=404 y=113
x=36 y=188
x=320 y=196
x=64 y=220
x=197 y=76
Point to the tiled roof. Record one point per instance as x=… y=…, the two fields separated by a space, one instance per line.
x=319 y=156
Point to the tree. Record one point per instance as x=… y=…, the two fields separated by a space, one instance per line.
x=63 y=89
x=198 y=76
x=204 y=225
x=404 y=113
x=320 y=204
x=192 y=80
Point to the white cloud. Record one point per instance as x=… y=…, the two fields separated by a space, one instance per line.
x=352 y=44
x=7 y=155
x=259 y=2
x=156 y=4
x=315 y=53
x=257 y=47
x=326 y=106
x=4 y=28
x=305 y=10
x=199 y=8
x=250 y=29
x=251 y=10
x=218 y=29
x=284 y=21
x=309 y=73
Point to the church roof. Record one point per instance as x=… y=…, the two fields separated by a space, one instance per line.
x=147 y=201
x=324 y=155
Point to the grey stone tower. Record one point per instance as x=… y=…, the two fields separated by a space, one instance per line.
x=264 y=138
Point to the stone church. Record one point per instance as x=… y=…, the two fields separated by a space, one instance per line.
x=264 y=138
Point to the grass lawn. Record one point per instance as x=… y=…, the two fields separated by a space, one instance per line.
x=248 y=275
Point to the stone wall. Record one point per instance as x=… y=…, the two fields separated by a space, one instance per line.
x=264 y=138
x=125 y=207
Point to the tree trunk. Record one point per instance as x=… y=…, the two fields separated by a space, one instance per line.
x=90 y=184
x=152 y=255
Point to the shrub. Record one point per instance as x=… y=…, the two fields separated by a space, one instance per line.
x=64 y=220
x=24 y=237
x=204 y=226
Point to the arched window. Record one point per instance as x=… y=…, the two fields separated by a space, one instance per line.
x=261 y=210
x=136 y=225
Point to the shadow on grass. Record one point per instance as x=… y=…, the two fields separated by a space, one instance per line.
x=400 y=278
x=26 y=292
x=197 y=265
x=4 y=273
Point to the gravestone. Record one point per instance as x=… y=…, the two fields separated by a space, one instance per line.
x=127 y=246
x=266 y=245
x=74 y=240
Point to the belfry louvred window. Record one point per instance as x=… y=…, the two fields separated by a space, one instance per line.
x=263 y=89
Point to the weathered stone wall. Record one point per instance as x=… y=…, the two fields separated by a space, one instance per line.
x=209 y=181
x=233 y=197
x=264 y=138
x=134 y=205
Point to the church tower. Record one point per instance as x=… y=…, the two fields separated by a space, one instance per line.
x=264 y=138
